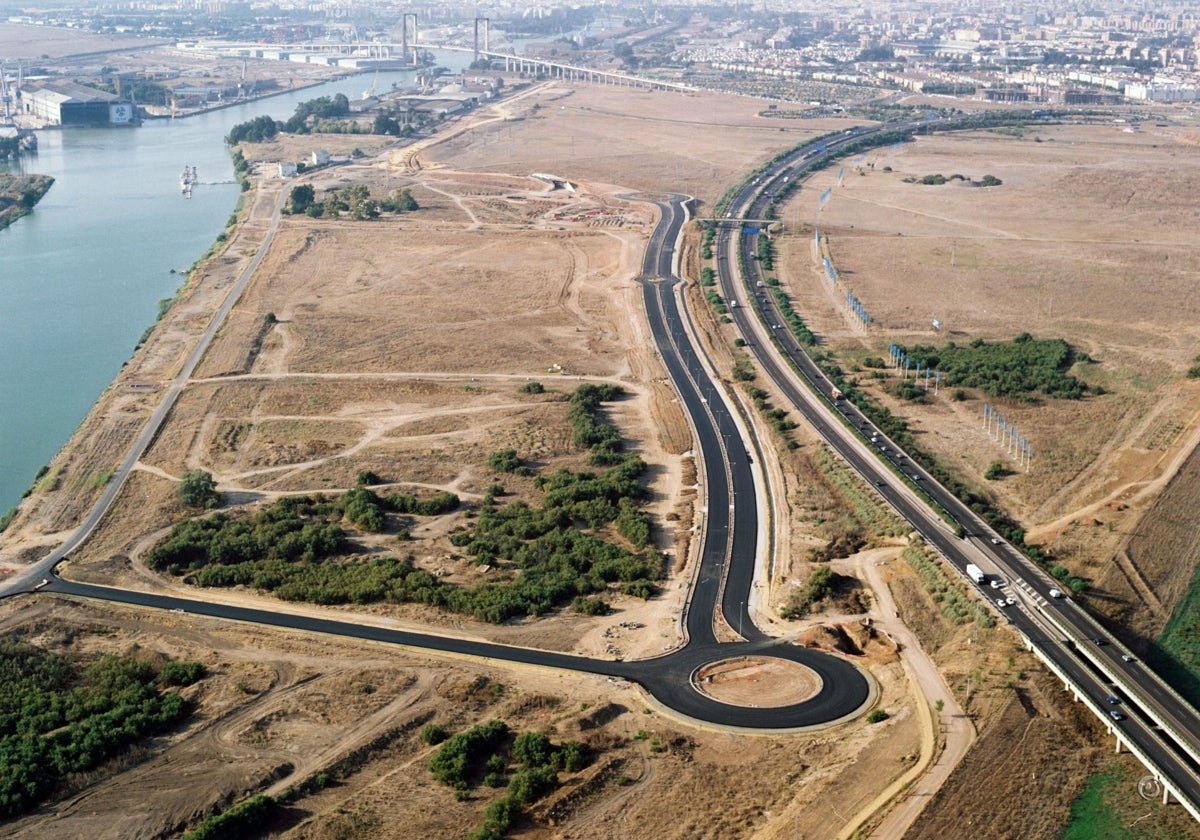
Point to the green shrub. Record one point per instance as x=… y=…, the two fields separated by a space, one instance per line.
x=432 y=734
x=505 y=460
x=242 y=820
x=181 y=673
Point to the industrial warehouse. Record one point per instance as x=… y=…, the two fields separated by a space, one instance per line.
x=67 y=103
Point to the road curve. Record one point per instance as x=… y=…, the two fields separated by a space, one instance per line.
x=1158 y=722
x=722 y=584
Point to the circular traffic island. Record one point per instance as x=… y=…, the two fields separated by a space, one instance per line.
x=757 y=681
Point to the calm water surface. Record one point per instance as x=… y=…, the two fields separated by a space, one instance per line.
x=81 y=277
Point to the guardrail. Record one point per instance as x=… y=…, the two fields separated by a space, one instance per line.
x=1181 y=739
x=1133 y=748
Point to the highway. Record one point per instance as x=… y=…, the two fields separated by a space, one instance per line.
x=729 y=533
x=1157 y=721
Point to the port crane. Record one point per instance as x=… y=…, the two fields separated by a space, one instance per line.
x=6 y=94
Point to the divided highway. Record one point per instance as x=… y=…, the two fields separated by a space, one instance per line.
x=1155 y=721
x=729 y=535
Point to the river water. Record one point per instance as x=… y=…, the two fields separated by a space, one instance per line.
x=81 y=277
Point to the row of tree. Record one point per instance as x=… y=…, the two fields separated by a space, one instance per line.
x=353 y=201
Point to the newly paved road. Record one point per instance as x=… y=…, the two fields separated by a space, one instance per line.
x=729 y=535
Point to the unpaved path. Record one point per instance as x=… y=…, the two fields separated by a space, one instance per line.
x=928 y=775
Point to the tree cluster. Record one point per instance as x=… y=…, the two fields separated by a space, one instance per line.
x=258 y=130
x=321 y=108
x=590 y=429
x=198 y=489
x=293 y=528
x=368 y=510
x=1023 y=368
x=526 y=764
x=353 y=201
x=557 y=559
x=56 y=720
x=543 y=558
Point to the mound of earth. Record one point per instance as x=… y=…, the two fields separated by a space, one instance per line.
x=851 y=639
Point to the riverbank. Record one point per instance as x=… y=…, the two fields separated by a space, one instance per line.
x=68 y=487
x=19 y=194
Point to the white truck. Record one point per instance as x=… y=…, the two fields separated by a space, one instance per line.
x=975 y=573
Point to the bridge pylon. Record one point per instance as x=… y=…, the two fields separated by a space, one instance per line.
x=487 y=31
x=408 y=38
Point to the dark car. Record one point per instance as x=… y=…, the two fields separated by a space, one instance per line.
x=1112 y=701
x=1099 y=641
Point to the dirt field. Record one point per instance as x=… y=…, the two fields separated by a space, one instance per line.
x=398 y=346
x=32 y=43
x=1087 y=238
x=278 y=708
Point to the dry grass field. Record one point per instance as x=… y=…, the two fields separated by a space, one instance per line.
x=1088 y=238
x=33 y=43
x=399 y=346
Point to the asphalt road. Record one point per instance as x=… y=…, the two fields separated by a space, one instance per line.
x=729 y=535
x=1158 y=720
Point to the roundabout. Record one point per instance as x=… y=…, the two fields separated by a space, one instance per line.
x=797 y=688
x=756 y=681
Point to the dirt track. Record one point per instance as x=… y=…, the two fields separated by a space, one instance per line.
x=397 y=346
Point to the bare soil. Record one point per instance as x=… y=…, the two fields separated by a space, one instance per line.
x=1087 y=239
x=399 y=346
x=758 y=681
x=33 y=43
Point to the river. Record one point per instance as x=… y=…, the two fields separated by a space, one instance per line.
x=81 y=277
